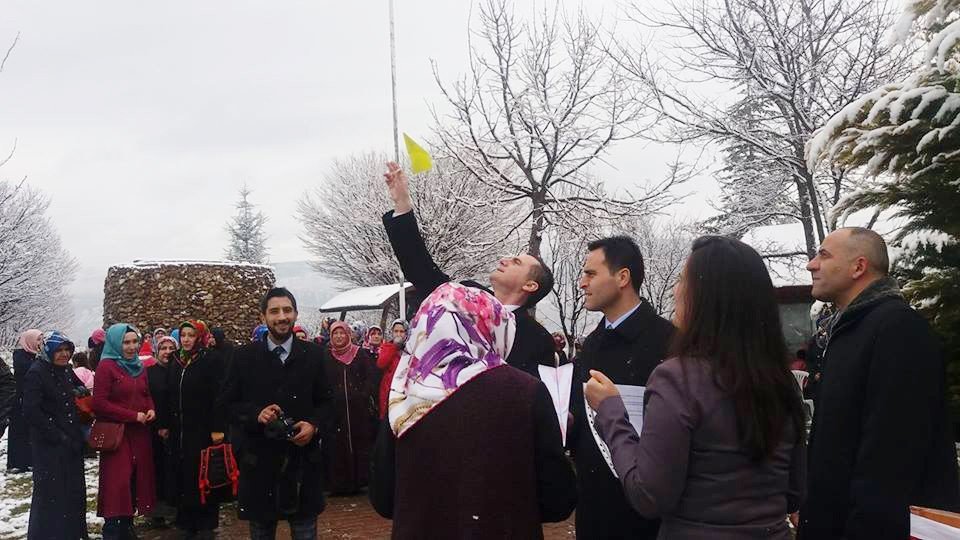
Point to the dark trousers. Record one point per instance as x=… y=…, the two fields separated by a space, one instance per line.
x=300 y=529
x=119 y=528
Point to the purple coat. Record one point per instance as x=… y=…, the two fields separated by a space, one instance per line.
x=689 y=467
x=118 y=397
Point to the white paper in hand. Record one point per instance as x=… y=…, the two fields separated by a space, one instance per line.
x=559 y=381
x=632 y=397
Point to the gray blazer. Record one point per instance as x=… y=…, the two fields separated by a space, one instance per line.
x=689 y=468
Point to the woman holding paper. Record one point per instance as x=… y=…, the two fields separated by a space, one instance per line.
x=721 y=451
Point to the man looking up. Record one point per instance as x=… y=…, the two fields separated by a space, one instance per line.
x=880 y=440
x=518 y=282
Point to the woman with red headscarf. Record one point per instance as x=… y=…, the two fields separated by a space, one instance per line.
x=354 y=378
x=190 y=422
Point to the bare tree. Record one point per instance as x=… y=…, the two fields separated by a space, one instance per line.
x=247 y=239
x=342 y=218
x=797 y=61
x=564 y=253
x=539 y=105
x=35 y=269
x=665 y=245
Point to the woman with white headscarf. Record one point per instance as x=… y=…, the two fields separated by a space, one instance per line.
x=470 y=447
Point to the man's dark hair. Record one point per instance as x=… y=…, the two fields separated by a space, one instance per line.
x=277 y=292
x=621 y=252
x=868 y=243
x=544 y=278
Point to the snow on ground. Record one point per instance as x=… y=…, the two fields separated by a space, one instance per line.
x=16 y=490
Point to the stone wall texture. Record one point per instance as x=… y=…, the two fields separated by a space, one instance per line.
x=163 y=294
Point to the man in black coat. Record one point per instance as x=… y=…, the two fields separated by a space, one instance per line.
x=880 y=440
x=626 y=346
x=281 y=465
x=518 y=282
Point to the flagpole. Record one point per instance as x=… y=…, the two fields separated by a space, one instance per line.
x=393 y=83
x=401 y=295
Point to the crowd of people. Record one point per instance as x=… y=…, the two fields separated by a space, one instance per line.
x=445 y=422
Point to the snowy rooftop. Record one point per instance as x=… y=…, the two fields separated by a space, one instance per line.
x=363 y=298
x=776 y=239
x=156 y=264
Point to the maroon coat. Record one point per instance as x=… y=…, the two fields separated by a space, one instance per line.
x=487 y=462
x=118 y=397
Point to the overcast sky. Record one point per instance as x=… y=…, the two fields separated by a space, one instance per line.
x=141 y=120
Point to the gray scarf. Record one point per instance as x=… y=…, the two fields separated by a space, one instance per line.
x=877 y=291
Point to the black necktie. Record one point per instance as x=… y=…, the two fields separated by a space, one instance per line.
x=278 y=352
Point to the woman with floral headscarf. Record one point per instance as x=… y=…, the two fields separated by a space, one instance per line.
x=58 y=508
x=18 y=440
x=191 y=422
x=471 y=446
x=354 y=379
x=123 y=396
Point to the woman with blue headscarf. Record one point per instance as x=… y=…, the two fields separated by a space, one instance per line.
x=58 y=508
x=123 y=396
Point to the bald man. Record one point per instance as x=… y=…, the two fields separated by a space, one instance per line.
x=880 y=440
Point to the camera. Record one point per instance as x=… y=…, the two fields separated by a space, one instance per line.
x=281 y=428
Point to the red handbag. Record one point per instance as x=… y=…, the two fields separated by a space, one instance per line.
x=84 y=408
x=105 y=436
x=218 y=469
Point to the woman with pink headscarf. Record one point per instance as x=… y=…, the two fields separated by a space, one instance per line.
x=18 y=441
x=354 y=378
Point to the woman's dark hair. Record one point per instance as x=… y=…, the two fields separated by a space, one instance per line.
x=93 y=357
x=79 y=360
x=730 y=319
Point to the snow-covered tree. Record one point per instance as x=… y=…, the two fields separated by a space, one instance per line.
x=796 y=61
x=343 y=227
x=539 y=104
x=564 y=252
x=35 y=269
x=906 y=135
x=665 y=246
x=754 y=189
x=248 y=243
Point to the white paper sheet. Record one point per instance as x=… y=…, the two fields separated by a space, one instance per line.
x=927 y=529
x=559 y=381
x=633 y=402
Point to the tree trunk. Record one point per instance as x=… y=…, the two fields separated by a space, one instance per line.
x=805 y=217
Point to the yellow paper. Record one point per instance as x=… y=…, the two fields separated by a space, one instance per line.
x=419 y=158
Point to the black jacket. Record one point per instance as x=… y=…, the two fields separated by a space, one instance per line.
x=626 y=354
x=880 y=439
x=18 y=440
x=256 y=378
x=58 y=508
x=188 y=409
x=8 y=395
x=533 y=345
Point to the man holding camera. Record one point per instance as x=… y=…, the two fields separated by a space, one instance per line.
x=276 y=395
